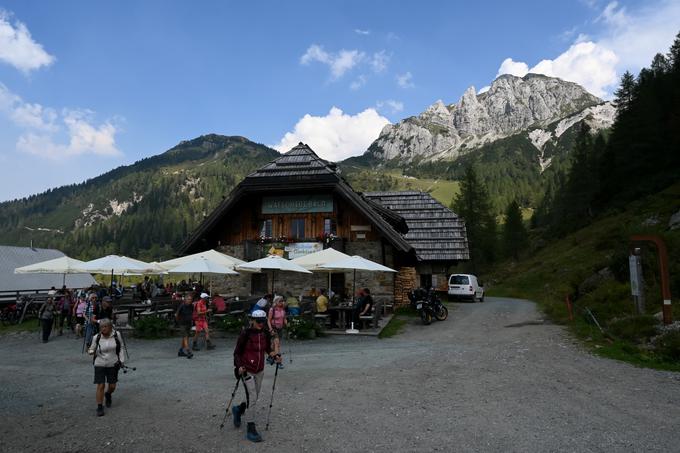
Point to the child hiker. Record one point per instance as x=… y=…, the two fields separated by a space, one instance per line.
x=252 y=345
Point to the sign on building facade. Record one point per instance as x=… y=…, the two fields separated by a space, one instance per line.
x=297 y=204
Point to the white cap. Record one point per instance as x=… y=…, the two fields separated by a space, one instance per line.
x=258 y=314
x=205 y=296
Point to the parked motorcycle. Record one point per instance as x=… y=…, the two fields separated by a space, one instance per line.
x=428 y=305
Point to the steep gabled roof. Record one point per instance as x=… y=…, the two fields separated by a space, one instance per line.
x=300 y=161
x=434 y=231
x=300 y=169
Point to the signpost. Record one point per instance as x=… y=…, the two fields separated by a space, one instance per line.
x=637 y=287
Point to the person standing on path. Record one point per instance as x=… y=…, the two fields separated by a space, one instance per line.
x=108 y=360
x=201 y=322
x=79 y=312
x=65 y=311
x=184 y=316
x=276 y=321
x=90 y=321
x=252 y=345
x=46 y=315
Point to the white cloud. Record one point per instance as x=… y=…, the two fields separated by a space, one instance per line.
x=510 y=66
x=337 y=135
x=18 y=48
x=483 y=89
x=625 y=42
x=359 y=31
x=339 y=63
x=43 y=128
x=405 y=80
x=358 y=82
x=379 y=61
x=390 y=106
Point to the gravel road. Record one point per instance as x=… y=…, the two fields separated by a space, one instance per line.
x=490 y=378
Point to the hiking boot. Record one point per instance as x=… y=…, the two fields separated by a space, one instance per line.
x=107 y=397
x=209 y=345
x=189 y=355
x=252 y=434
x=181 y=353
x=195 y=347
x=100 y=410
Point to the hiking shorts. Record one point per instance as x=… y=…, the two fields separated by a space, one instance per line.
x=104 y=374
x=201 y=324
x=185 y=328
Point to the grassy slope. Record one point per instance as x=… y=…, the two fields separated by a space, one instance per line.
x=559 y=268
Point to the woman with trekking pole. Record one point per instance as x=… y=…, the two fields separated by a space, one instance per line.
x=252 y=345
x=108 y=360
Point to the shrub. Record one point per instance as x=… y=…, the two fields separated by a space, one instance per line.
x=304 y=329
x=634 y=328
x=230 y=323
x=668 y=345
x=152 y=327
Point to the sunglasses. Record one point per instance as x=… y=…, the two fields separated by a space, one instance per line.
x=259 y=321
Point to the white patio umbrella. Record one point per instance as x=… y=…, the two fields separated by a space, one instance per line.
x=115 y=264
x=63 y=265
x=313 y=261
x=356 y=263
x=273 y=263
x=204 y=266
x=212 y=255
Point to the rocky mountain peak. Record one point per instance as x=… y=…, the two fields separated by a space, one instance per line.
x=511 y=105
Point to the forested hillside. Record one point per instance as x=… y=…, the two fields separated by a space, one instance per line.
x=143 y=210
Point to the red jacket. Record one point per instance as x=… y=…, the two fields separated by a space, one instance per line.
x=251 y=347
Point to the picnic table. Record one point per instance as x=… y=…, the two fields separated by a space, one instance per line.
x=132 y=309
x=344 y=311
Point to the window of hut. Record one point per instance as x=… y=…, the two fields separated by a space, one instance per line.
x=297 y=228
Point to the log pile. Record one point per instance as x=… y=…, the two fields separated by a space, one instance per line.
x=405 y=281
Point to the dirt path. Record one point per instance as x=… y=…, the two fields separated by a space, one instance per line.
x=470 y=383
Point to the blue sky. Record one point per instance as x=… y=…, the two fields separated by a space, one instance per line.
x=88 y=86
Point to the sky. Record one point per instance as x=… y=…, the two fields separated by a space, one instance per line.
x=88 y=86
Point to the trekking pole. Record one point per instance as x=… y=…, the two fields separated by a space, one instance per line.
x=127 y=354
x=227 y=411
x=276 y=373
x=84 y=338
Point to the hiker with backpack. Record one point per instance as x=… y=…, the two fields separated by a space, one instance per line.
x=253 y=344
x=108 y=360
x=201 y=322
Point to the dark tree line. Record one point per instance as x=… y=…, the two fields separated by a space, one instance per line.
x=640 y=157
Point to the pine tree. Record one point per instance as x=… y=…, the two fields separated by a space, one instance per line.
x=624 y=95
x=660 y=64
x=515 y=239
x=674 y=54
x=474 y=206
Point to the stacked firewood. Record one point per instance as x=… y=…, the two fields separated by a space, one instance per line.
x=404 y=282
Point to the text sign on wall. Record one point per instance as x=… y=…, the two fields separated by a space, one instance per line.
x=295 y=204
x=298 y=249
x=633 y=264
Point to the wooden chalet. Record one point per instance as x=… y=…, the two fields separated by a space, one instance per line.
x=299 y=203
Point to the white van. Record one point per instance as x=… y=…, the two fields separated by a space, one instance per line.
x=465 y=286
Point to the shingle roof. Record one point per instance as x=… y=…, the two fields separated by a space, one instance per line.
x=13 y=257
x=300 y=161
x=434 y=231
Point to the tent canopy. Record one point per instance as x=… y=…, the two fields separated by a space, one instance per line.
x=203 y=265
x=313 y=261
x=212 y=255
x=272 y=262
x=356 y=263
x=63 y=265
x=117 y=265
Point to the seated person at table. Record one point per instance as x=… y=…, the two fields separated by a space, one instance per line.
x=220 y=304
x=314 y=293
x=322 y=302
x=263 y=303
x=292 y=304
x=364 y=304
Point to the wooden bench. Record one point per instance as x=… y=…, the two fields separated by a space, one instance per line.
x=373 y=318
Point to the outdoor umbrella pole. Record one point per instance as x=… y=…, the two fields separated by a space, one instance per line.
x=354 y=285
x=111 y=287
